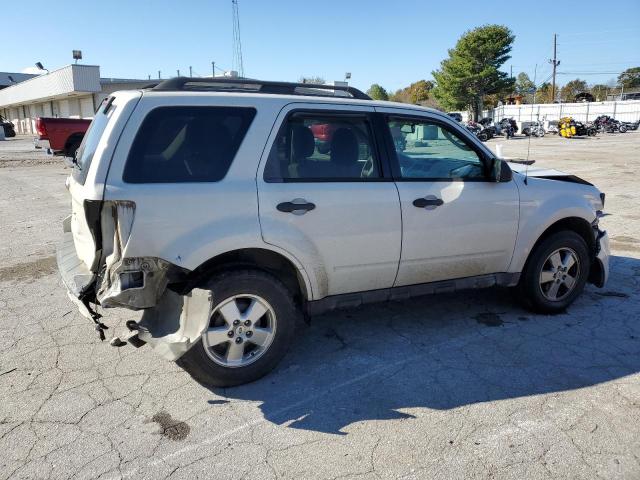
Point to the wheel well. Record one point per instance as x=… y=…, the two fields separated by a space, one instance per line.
x=256 y=258
x=573 y=224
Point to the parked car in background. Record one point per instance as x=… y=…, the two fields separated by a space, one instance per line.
x=9 y=130
x=322 y=134
x=216 y=215
x=60 y=135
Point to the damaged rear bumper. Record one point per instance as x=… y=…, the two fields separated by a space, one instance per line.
x=176 y=323
x=171 y=323
x=77 y=278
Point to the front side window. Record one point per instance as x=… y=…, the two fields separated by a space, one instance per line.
x=187 y=144
x=323 y=147
x=430 y=151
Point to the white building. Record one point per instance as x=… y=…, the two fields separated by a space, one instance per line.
x=74 y=91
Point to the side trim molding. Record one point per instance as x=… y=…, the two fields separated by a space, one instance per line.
x=350 y=300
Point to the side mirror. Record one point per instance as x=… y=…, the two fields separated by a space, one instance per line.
x=500 y=171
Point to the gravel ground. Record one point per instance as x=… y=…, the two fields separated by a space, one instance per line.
x=453 y=386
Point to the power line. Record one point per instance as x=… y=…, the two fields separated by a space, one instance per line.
x=590 y=73
x=596 y=32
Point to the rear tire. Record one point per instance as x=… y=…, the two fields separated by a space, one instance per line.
x=556 y=273
x=242 y=349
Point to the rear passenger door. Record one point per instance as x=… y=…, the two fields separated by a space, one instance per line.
x=325 y=197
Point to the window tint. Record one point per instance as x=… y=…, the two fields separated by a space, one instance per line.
x=430 y=151
x=317 y=147
x=187 y=144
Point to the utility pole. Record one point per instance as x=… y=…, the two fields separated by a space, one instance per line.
x=554 y=62
x=213 y=69
x=190 y=72
x=159 y=77
x=535 y=86
x=178 y=72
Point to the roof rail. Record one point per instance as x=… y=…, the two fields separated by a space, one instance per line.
x=249 y=85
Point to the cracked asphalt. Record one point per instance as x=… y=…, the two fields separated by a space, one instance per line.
x=460 y=386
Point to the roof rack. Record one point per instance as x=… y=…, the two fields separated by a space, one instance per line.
x=248 y=85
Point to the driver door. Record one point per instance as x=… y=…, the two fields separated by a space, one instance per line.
x=456 y=222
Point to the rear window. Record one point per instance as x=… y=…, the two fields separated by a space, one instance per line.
x=187 y=144
x=87 y=148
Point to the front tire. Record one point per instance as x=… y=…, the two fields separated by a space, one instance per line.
x=251 y=327
x=556 y=273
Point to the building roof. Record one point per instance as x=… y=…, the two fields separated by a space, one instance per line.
x=18 y=77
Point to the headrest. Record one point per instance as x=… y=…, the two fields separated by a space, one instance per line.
x=344 y=147
x=302 y=142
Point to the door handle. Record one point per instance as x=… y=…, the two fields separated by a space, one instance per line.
x=297 y=206
x=429 y=202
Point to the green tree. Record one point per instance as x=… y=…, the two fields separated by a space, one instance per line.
x=599 y=91
x=418 y=93
x=543 y=93
x=472 y=70
x=524 y=85
x=377 y=92
x=630 y=78
x=572 y=88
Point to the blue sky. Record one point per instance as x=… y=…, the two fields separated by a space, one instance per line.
x=386 y=42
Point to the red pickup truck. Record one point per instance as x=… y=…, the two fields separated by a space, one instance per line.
x=61 y=135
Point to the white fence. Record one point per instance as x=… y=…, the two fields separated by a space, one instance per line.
x=625 y=111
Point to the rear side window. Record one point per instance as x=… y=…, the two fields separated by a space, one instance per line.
x=320 y=147
x=89 y=144
x=187 y=144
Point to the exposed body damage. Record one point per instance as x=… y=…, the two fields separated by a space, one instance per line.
x=176 y=322
x=130 y=282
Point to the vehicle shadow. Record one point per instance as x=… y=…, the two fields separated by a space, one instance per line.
x=392 y=361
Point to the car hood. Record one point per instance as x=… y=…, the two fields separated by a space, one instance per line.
x=547 y=173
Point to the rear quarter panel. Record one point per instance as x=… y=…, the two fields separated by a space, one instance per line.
x=189 y=223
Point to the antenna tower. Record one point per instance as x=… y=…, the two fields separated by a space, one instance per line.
x=237 y=44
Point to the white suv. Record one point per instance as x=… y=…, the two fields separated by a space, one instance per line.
x=228 y=209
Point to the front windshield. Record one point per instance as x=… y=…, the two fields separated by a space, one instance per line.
x=89 y=144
